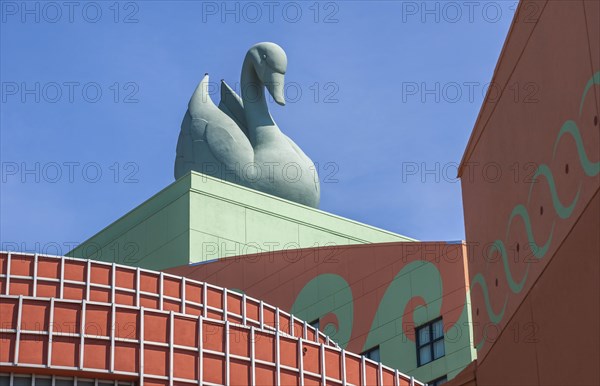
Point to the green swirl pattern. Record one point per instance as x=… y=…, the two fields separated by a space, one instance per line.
x=563 y=211
x=335 y=296
x=416 y=279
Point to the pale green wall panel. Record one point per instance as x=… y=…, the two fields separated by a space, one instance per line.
x=312 y=237
x=199 y=218
x=270 y=231
x=171 y=254
x=155 y=234
x=178 y=216
x=203 y=244
x=217 y=217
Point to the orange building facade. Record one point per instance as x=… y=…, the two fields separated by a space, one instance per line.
x=536 y=214
x=368 y=298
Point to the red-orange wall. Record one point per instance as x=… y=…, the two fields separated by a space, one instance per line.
x=536 y=312
x=278 y=278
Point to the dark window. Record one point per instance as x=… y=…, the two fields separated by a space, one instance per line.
x=39 y=381
x=438 y=381
x=23 y=381
x=373 y=354
x=315 y=324
x=430 y=342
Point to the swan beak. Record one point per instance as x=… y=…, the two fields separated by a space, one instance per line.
x=275 y=84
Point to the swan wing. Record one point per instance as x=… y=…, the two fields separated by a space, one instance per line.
x=192 y=129
x=232 y=105
x=209 y=138
x=199 y=107
x=219 y=130
x=234 y=153
x=201 y=104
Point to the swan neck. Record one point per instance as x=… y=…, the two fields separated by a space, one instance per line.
x=261 y=126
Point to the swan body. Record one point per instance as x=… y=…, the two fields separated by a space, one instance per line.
x=238 y=141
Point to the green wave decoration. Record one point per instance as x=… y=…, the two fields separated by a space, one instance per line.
x=479 y=345
x=570 y=127
x=416 y=279
x=590 y=168
x=562 y=210
x=494 y=317
x=324 y=294
x=521 y=211
x=514 y=286
x=594 y=80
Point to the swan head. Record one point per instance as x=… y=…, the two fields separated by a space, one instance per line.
x=270 y=64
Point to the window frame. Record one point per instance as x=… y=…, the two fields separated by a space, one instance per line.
x=372 y=349
x=438 y=379
x=429 y=326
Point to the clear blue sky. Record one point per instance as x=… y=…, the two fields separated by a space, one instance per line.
x=363 y=115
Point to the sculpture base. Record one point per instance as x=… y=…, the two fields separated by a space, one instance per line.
x=199 y=218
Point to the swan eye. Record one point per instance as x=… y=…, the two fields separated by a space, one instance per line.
x=264 y=56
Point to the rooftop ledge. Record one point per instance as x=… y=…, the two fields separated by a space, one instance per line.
x=199 y=218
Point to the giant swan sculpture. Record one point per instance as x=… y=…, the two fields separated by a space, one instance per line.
x=239 y=142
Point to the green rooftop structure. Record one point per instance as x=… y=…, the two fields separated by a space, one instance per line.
x=199 y=218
